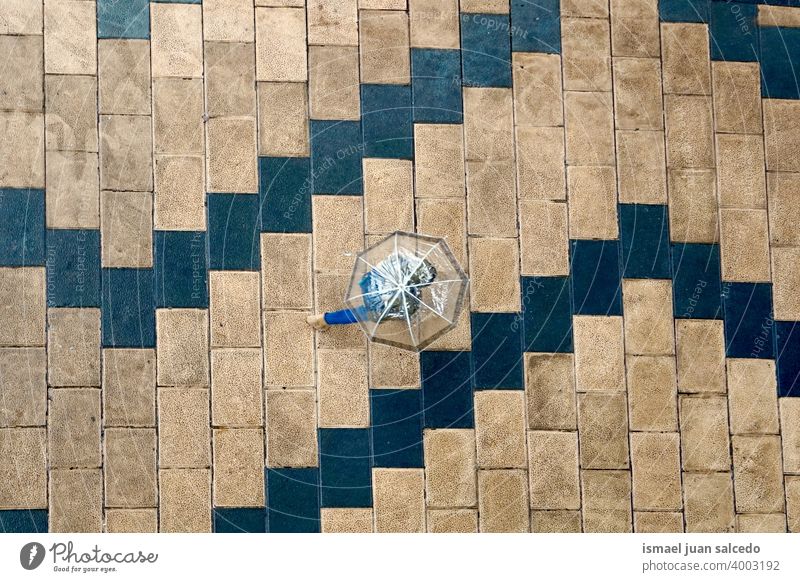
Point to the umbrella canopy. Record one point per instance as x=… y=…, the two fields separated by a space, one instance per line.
x=407 y=290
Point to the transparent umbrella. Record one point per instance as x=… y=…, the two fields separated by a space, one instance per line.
x=407 y=290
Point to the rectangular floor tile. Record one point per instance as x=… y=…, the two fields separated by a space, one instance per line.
x=447 y=389
x=345 y=468
x=496 y=350
x=293 y=500
x=396 y=419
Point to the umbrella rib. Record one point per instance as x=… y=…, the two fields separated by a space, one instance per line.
x=408 y=320
x=428 y=307
x=385 y=311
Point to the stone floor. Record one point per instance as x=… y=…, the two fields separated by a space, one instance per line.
x=181 y=183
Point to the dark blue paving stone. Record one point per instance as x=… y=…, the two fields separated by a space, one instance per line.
x=396 y=427
x=546 y=314
x=233 y=231
x=123 y=19
x=780 y=62
x=683 y=10
x=788 y=357
x=486 y=50
x=386 y=119
x=344 y=467
x=21 y=228
x=181 y=279
x=128 y=311
x=73 y=268
x=436 y=85
x=447 y=389
x=292 y=500
x=696 y=283
x=536 y=26
x=733 y=31
x=497 y=350
x=748 y=320
x=644 y=235
x=594 y=265
x=240 y=520
x=336 y=152
x=284 y=189
x=23 y=521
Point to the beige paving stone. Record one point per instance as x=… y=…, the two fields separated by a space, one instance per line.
x=439 y=160
x=488 y=123
x=603 y=430
x=73 y=347
x=585 y=8
x=228 y=20
x=21 y=17
x=589 y=128
x=129 y=387
x=452 y=521
x=130 y=467
x=182 y=347
x=126 y=226
x=291 y=428
x=786 y=281
x=648 y=316
x=744 y=245
x=540 y=162
x=25 y=480
x=235 y=309
x=22 y=149
x=657 y=522
x=450 y=467
x=183 y=428
x=343 y=391
x=230 y=73
x=126 y=153
x=179 y=198
x=537 y=89
x=238 y=467
x=399 y=499
x=740 y=171
x=338 y=231
x=123 y=76
x=286 y=271
x=236 y=387
x=599 y=353
x=708 y=502
x=333 y=22
x=22 y=306
x=176 y=40
x=586 y=50
x=21 y=84
x=491 y=198
x=550 y=391
x=635 y=28
x=23 y=384
x=652 y=393
x=445 y=218
x=752 y=396
x=793 y=503
x=485 y=6
x=384 y=45
x=494 y=268
x=592 y=202
x=74 y=428
x=641 y=167
x=76 y=501
x=693 y=212
x=761 y=523
x=330 y=291
x=656 y=464
x=782 y=134
x=500 y=429
x=701 y=355
x=543 y=238
x=281 y=44
x=558 y=521
x=737 y=97
x=184 y=500
x=283 y=119
x=783 y=196
x=391 y=367
x=433 y=23
x=685 y=58
x=288 y=352
x=606 y=501
x=231 y=155
x=503 y=501
x=70 y=34
x=71 y=117
x=178 y=116
x=73 y=190
x=757 y=474
x=388 y=196
x=786 y=16
x=704 y=433
x=690 y=141
x=132 y=520
x=790 y=434
x=553 y=473
x=637 y=93
x=460 y=337
x=346 y=519
x=333 y=82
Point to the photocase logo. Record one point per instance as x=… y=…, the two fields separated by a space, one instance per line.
x=31 y=555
